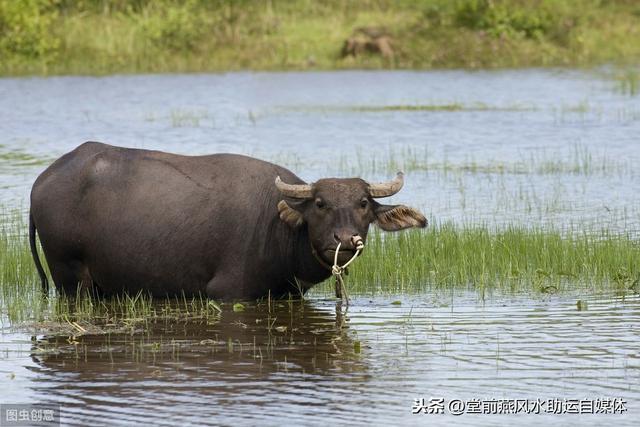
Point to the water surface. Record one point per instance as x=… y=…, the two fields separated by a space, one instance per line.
x=536 y=147
x=541 y=147
x=299 y=364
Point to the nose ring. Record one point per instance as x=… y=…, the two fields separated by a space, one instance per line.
x=357 y=242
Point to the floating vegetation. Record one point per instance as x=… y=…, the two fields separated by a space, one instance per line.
x=293 y=335
x=452 y=107
x=88 y=315
x=187 y=118
x=18 y=158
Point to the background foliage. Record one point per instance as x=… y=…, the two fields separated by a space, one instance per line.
x=100 y=36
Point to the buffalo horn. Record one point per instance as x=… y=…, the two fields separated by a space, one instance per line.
x=297 y=191
x=386 y=189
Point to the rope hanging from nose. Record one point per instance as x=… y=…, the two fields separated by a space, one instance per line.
x=337 y=270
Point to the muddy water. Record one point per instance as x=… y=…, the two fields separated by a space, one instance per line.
x=310 y=363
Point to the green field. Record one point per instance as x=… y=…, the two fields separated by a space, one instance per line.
x=136 y=36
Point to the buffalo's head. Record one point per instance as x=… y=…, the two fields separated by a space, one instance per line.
x=340 y=211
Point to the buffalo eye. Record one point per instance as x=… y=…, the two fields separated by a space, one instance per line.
x=320 y=203
x=364 y=203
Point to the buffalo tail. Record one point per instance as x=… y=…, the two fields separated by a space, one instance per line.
x=36 y=258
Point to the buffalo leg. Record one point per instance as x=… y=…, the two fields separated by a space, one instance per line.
x=73 y=276
x=64 y=277
x=225 y=286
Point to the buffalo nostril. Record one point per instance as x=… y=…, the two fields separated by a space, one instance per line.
x=336 y=237
x=357 y=241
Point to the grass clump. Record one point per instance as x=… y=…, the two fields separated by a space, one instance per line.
x=579 y=161
x=443 y=256
x=99 y=36
x=628 y=81
x=515 y=258
x=84 y=314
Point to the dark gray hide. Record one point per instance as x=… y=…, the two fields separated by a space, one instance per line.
x=115 y=219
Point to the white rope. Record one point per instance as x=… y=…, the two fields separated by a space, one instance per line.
x=337 y=270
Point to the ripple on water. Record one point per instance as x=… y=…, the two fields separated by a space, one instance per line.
x=528 y=146
x=457 y=347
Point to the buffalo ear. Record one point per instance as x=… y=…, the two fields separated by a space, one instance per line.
x=398 y=217
x=289 y=216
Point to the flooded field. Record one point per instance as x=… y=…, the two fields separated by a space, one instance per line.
x=551 y=151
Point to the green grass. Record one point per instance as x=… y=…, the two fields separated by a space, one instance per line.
x=18 y=157
x=187 y=118
x=128 y=36
x=484 y=258
x=442 y=256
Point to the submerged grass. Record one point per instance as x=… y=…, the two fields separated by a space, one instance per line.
x=629 y=81
x=457 y=107
x=442 y=256
x=186 y=118
x=580 y=161
x=14 y=158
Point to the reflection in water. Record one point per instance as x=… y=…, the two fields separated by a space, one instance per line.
x=198 y=369
x=298 y=364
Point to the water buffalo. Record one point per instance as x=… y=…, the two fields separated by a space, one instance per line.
x=115 y=219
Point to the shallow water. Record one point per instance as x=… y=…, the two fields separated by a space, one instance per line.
x=539 y=147
x=534 y=147
x=246 y=367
